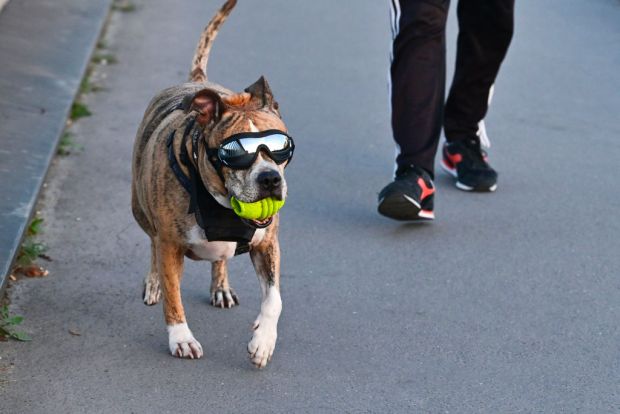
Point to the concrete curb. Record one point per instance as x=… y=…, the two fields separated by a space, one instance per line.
x=45 y=48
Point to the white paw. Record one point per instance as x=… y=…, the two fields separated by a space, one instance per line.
x=263 y=342
x=182 y=342
x=224 y=298
x=152 y=290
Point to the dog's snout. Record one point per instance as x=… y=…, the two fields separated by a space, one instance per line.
x=269 y=180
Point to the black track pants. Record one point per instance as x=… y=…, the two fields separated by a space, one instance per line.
x=418 y=72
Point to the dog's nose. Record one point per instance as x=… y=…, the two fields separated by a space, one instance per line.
x=269 y=180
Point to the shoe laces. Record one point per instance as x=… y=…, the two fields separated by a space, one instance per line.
x=474 y=153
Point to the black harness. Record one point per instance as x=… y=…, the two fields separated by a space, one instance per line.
x=218 y=222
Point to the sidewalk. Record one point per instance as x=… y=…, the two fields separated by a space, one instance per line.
x=45 y=47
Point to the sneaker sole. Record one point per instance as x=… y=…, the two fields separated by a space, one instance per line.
x=403 y=208
x=460 y=185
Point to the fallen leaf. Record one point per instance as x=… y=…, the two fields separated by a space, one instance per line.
x=74 y=332
x=34 y=271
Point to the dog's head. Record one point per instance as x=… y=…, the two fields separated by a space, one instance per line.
x=222 y=117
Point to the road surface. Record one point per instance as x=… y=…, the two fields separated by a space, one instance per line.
x=508 y=302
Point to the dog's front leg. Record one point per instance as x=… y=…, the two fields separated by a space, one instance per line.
x=170 y=266
x=266 y=259
x=222 y=295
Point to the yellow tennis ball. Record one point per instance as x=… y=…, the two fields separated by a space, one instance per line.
x=259 y=210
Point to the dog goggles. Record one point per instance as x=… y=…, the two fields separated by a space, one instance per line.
x=239 y=151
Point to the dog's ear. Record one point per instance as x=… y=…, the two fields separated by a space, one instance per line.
x=261 y=91
x=207 y=103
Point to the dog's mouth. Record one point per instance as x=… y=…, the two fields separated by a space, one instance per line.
x=259 y=224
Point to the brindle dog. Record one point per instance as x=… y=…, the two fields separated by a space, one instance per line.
x=160 y=204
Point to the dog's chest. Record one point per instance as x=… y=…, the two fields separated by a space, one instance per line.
x=206 y=250
x=216 y=250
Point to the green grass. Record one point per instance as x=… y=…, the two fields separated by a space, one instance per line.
x=79 y=110
x=124 y=6
x=7 y=324
x=67 y=144
x=105 y=59
x=30 y=250
x=88 y=87
x=35 y=226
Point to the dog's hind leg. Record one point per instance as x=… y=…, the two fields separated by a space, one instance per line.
x=152 y=288
x=170 y=268
x=222 y=295
x=266 y=259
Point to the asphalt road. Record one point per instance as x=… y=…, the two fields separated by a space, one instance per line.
x=508 y=302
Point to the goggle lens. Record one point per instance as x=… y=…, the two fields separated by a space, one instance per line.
x=240 y=151
x=275 y=142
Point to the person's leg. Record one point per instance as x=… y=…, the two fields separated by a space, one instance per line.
x=417 y=91
x=485 y=31
x=418 y=80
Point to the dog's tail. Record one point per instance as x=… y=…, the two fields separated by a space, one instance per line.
x=198 y=72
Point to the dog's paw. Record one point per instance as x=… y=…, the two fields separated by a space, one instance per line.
x=182 y=342
x=152 y=290
x=224 y=298
x=263 y=342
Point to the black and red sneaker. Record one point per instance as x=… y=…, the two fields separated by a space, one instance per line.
x=467 y=162
x=409 y=196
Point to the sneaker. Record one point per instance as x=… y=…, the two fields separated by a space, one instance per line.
x=467 y=162
x=409 y=196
